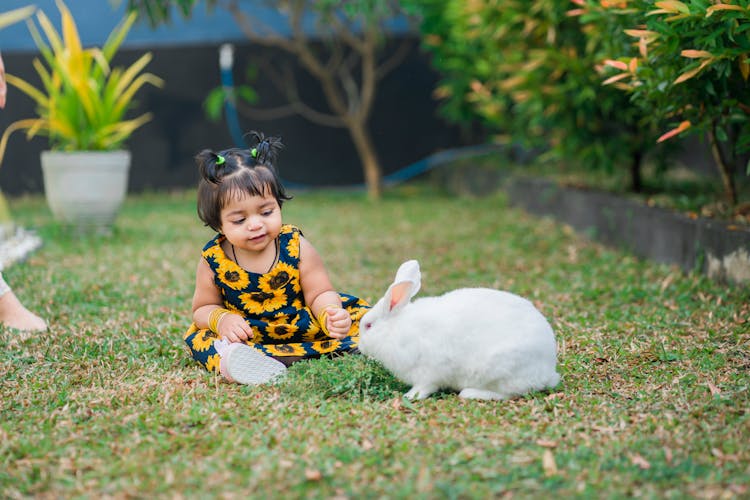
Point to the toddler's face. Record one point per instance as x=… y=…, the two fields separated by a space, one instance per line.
x=251 y=222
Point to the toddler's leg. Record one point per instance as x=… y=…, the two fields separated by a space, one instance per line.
x=14 y=315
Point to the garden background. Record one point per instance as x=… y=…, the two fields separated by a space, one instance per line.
x=654 y=359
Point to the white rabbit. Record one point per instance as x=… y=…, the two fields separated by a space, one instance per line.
x=485 y=343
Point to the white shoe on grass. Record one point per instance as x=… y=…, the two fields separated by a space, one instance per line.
x=242 y=364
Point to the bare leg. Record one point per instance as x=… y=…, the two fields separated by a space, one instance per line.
x=14 y=315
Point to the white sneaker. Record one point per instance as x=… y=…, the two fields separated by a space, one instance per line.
x=242 y=364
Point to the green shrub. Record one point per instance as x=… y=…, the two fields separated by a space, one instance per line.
x=688 y=71
x=527 y=70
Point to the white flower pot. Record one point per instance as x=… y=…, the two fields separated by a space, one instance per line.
x=86 y=188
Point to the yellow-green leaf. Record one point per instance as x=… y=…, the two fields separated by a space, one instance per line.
x=673 y=6
x=677 y=130
x=26 y=88
x=690 y=74
x=18 y=125
x=696 y=54
x=70 y=32
x=615 y=78
x=16 y=15
x=616 y=64
x=744 y=67
x=722 y=6
x=643 y=34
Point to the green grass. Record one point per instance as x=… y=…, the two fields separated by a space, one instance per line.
x=654 y=399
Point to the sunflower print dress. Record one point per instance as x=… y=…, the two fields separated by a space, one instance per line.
x=273 y=305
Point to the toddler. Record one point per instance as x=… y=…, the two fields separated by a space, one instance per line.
x=263 y=298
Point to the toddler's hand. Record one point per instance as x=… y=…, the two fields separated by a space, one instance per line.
x=338 y=323
x=234 y=328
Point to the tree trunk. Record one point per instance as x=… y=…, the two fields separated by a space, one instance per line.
x=636 y=180
x=726 y=170
x=370 y=164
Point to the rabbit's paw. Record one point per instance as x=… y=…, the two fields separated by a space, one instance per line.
x=469 y=393
x=420 y=392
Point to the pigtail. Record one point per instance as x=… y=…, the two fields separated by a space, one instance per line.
x=211 y=165
x=264 y=150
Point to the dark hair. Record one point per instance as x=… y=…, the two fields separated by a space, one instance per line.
x=234 y=171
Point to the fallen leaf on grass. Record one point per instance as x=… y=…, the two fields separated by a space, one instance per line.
x=313 y=475
x=738 y=489
x=545 y=443
x=715 y=391
x=548 y=463
x=640 y=461
x=666 y=282
x=668 y=455
x=723 y=457
x=403 y=404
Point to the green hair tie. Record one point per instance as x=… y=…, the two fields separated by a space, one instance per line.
x=220 y=160
x=254 y=153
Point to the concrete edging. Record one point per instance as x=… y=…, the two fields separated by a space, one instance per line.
x=720 y=250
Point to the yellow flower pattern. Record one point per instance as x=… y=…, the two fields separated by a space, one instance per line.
x=212 y=364
x=282 y=330
x=232 y=275
x=272 y=304
x=292 y=249
x=204 y=340
x=285 y=349
x=280 y=276
x=259 y=302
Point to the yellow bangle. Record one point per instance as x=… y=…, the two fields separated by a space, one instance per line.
x=215 y=317
x=323 y=317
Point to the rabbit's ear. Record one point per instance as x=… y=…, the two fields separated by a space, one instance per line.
x=405 y=286
x=409 y=271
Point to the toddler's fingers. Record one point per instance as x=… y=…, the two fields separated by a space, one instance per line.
x=340 y=314
x=230 y=336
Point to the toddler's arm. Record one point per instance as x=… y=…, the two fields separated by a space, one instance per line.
x=320 y=296
x=208 y=308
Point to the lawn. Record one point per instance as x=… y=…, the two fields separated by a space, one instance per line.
x=654 y=400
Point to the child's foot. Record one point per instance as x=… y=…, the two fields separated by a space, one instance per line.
x=242 y=364
x=14 y=315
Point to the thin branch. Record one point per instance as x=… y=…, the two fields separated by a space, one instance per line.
x=268 y=38
x=347 y=35
x=286 y=82
x=313 y=64
x=350 y=88
x=394 y=59
x=369 y=74
x=336 y=58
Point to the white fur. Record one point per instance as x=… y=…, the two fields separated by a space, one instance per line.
x=488 y=344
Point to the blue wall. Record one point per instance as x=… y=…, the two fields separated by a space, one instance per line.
x=96 y=18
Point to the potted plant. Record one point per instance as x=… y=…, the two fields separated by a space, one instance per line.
x=81 y=108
